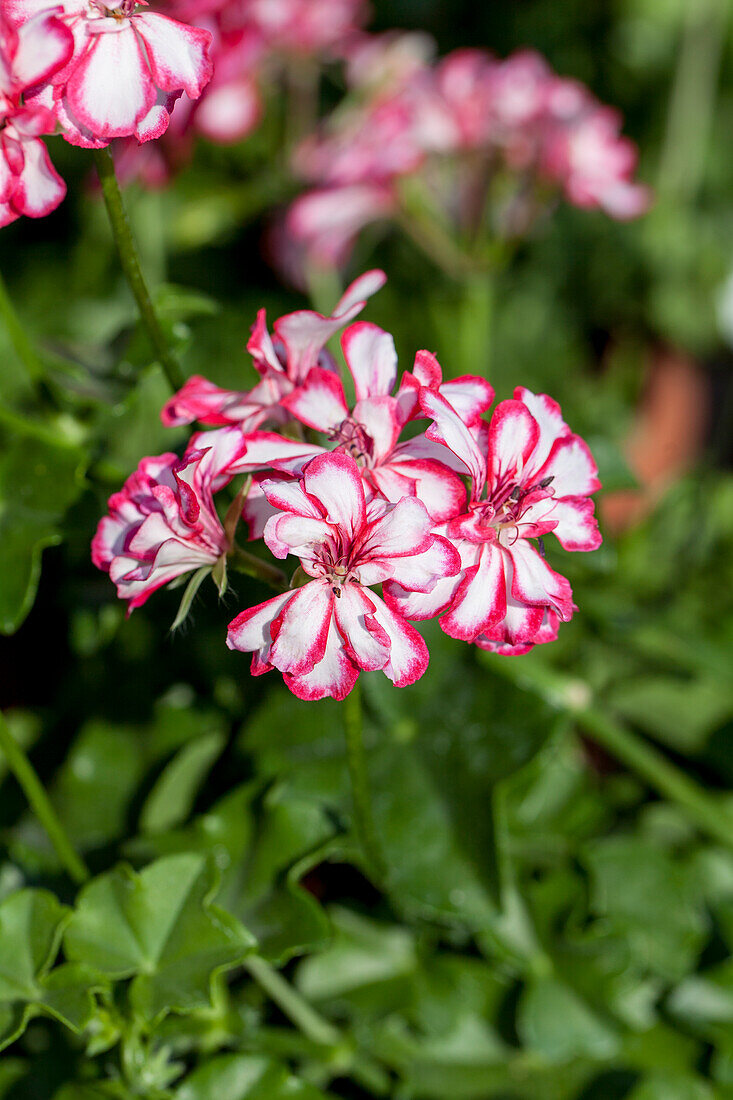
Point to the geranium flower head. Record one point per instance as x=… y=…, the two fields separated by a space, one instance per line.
x=29 y=55
x=163 y=523
x=300 y=339
x=128 y=67
x=321 y=635
x=529 y=476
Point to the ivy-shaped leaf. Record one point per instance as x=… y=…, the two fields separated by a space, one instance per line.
x=245 y=1077
x=262 y=844
x=160 y=928
x=39 y=479
x=31 y=925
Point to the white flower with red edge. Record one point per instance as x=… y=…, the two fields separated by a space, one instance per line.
x=530 y=475
x=163 y=523
x=128 y=67
x=299 y=345
x=29 y=55
x=321 y=635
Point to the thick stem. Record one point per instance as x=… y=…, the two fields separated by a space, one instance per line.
x=40 y=803
x=244 y=562
x=292 y=1005
x=364 y=826
x=130 y=262
x=628 y=747
x=18 y=337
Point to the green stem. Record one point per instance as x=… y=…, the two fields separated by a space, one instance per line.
x=362 y=804
x=474 y=328
x=244 y=562
x=40 y=803
x=628 y=747
x=18 y=337
x=130 y=260
x=314 y=1026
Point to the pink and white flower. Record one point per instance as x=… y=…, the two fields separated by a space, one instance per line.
x=163 y=523
x=128 y=68
x=29 y=55
x=283 y=363
x=530 y=475
x=321 y=635
x=369 y=432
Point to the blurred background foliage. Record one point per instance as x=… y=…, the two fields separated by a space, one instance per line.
x=552 y=925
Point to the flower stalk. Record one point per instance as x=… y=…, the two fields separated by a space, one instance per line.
x=130 y=261
x=40 y=803
x=356 y=758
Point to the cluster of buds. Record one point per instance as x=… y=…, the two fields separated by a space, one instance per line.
x=475 y=142
x=446 y=518
x=93 y=70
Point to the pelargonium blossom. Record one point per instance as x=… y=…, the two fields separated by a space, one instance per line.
x=128 y=68
x=300 y=340
x=529 y=475
x=370 y=431
x=419 y=137
x=321 y=635
x=29 y=55
x=163 y=523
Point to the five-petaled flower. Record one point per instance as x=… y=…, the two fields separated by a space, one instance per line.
x=530 y=475
x=324 y=633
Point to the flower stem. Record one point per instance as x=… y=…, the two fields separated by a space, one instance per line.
x=130 y=260
x=290 y=1002
x=244 y=562
x=632 y=750
x=40 y=803
x=18 y=337
x=359 y=775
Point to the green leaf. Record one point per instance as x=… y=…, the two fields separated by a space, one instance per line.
x=436 y=752
x=31 y=925
x=682 y=713
x=39 y=480
x=363 y=954
x=554 y=1022
x=159 y=928
x=172 y=798
x=651 y=900
x=262 y=845
x=245 y=1077
x=667 y=1086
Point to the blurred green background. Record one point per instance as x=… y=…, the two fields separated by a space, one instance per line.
x=556 y=926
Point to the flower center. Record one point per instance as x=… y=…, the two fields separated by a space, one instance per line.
x=352 y=438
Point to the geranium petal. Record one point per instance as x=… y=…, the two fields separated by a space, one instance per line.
x=334 y=480
x=408 y=654
x=480 y=600
x=110 y=89
x=365 y=642
x=178 y=53
x=371 y=357
x=319 y=401
x=301 y=630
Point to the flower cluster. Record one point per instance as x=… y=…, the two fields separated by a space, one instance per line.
x=96 y=71
x=446 y=516
x=452 y=136
x=253 y=44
